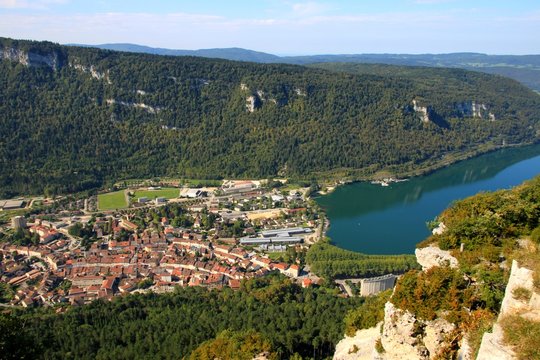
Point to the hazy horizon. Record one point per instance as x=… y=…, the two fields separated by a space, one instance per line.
x=295 y=54
x=283 y=26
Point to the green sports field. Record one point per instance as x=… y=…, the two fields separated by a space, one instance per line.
x=167 y=193
x=112 y=201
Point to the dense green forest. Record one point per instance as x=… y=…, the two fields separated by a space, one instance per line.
x=523 y=68
x=330 y=261
x=268 y=314
x=76 y=118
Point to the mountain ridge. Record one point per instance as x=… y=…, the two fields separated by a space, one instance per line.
x=523 y=68
x=75 y=118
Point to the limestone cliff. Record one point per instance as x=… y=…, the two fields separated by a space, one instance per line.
x=32 y=58
x=403 y=336
x=431 y=256
x=422 y=111
x=473 y=109
x=493 y=345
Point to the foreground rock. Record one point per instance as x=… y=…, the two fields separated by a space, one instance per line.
x=493 y=346
x=431 y=256
x=361 y=346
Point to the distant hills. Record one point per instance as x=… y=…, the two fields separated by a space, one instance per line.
x=75 y=118
x=523 y=68
x=237 y=54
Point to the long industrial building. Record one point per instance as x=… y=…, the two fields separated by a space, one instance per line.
x=273 y=240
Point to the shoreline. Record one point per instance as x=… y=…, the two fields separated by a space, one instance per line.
x=398 y=176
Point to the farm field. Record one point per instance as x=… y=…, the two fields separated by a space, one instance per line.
x=112 y=201
x=167 y=193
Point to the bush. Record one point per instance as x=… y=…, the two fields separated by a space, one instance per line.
x=535 y=235
x=369 y=314
x=520 y=293
x=379 y=346
x=426 y=293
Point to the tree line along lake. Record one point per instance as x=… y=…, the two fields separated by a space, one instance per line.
x=375 y=219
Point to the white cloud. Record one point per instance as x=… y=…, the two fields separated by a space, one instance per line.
x=406 y=32
x=30 y=4
x=309 y=8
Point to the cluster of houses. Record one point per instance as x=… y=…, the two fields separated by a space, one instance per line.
x=161 y=261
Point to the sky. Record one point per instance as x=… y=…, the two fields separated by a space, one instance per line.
x=284 y=27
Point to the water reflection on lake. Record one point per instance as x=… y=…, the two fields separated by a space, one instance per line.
x=391 y=220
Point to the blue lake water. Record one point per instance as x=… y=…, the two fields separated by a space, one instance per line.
x=391 y=220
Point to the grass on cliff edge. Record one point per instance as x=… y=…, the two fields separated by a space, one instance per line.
x=523 y=335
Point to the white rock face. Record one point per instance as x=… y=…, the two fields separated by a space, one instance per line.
x=421 y=110
x=492 y=346
x=475 y=110
x=299 y=92
x=147 y=108
x=400 y=337
x=31 y=59
x=439 y=229
x=359 y=347
x=92 y=71
x=250 y=103
x=435 y=333
x=431 y=256
x=519 y=277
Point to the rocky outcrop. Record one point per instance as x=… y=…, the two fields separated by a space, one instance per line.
x=436 y=335
x=361 y=346
x=493 y=346
x=441 y=228
x=92 y=71
x=31 y=58
x=401 y=337
x=431 y=256
x=473 y=109
x=258 y=98
x=252 y=103
x=520 y=277
x=423 y=111
x=143 y=106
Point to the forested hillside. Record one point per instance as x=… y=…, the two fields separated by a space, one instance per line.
x=267 y=314
x=523 y=68
x=74 y=118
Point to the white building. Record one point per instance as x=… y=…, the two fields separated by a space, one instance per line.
x=18 y=222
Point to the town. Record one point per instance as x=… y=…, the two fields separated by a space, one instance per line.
x=73 y=251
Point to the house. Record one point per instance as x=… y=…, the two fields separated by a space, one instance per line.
x=107 y=286
x=293 y=271
x=45 y=234
x=307 y=282
x=128 y=225
x=18 y=222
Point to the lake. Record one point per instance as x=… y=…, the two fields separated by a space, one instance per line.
x=373 y=219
